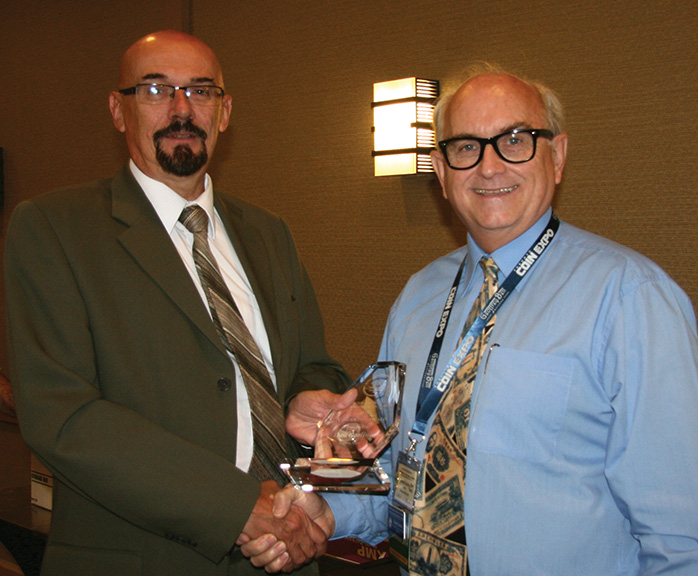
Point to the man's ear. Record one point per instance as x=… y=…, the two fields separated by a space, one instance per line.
x=116 y=102
x=559 y=145
x=226 y=110
x=440 y=167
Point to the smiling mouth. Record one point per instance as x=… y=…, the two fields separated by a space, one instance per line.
x=494 y=191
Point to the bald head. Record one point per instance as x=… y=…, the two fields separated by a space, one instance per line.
x=164 y=48
x=473 y=75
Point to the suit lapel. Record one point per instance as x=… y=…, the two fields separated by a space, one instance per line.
x=254 y=256
x=150 y=245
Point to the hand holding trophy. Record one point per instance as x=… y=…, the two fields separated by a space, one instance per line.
x=349 y=441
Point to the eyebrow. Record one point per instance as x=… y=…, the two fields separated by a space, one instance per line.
x=510 y=128
x=194 y=81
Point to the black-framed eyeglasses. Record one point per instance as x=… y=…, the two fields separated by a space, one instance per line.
x=515 y=146
x=199 y=95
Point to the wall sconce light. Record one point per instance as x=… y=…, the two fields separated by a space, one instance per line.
x=403 y=135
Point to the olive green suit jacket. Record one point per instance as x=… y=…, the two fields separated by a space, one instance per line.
x=123 y=386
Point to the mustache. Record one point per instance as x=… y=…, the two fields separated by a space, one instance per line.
x=178 y=126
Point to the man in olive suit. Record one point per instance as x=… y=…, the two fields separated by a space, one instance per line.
x=124 y=385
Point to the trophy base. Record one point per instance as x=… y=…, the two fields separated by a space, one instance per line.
x=364 y=476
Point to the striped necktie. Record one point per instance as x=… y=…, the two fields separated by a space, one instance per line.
x=268 y=425
x=437 y=541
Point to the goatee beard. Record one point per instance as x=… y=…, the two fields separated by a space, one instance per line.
x=182 y=161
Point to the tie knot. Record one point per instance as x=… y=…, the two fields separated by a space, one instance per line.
x=489 y=268
x=194 y=219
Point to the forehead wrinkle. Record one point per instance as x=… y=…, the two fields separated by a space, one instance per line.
x=193 y=81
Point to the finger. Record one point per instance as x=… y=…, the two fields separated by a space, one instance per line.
x=323 y=448
x=308 y=547
x=319 y=538
x=314 y=545
x=368 y=447
x=301 y=546
x=261 y=545
x=289 y=567
x=272 y=559
x=283 y=562
x=300 y=554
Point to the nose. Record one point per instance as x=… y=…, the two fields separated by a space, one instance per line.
x=180 y=105
x=491 y=163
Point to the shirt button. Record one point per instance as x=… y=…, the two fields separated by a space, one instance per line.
x=224 y=384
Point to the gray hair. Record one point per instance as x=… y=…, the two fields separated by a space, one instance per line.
x=554 y=111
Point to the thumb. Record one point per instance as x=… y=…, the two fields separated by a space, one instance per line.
x=283 y=500
x=346 y=399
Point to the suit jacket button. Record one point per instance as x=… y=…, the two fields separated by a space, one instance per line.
x=224 y=384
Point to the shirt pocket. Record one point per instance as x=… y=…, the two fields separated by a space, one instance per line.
x=520 y=405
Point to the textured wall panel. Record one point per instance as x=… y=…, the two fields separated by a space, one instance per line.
x=300 y=141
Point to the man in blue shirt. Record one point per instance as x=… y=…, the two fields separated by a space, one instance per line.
x=582 y=444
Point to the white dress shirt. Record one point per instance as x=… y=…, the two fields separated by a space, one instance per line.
x=169 y=205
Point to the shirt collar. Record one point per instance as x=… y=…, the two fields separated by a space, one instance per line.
x=169 y=205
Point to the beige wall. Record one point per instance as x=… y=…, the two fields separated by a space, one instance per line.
x=301 y=73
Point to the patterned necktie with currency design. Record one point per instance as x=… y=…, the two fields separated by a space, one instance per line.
x=268 y=426
x=437 y=538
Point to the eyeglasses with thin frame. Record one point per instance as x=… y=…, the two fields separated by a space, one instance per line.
x=199 y=95
x=514 y=146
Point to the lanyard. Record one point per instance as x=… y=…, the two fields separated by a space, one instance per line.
x=430 y=394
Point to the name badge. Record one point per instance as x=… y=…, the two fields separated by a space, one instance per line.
x=406 y=481
x=405 y=487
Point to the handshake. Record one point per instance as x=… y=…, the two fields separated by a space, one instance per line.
x=289 y=527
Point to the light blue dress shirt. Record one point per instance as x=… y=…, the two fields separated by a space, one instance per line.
x=583 y=438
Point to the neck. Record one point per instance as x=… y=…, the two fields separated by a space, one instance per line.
x=489 y=243
x=189 y=187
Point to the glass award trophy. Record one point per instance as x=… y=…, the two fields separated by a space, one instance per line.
x=349 y=442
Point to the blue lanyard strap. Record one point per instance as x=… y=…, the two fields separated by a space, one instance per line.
x=430 y=368
x=430 y=394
